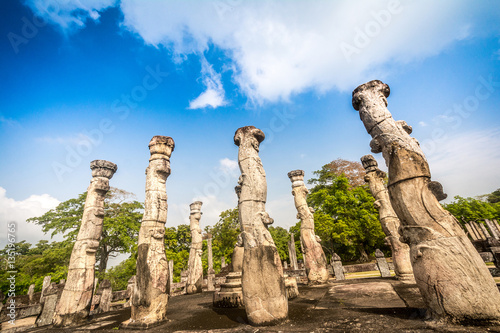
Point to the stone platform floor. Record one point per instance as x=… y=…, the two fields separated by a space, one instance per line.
x=357 y=305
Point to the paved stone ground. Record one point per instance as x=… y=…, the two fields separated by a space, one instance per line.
x=358 y=305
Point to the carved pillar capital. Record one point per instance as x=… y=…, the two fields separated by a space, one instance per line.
x=296 y=177
x=161 y=147
x=249 y=137
x=102 y=168
x=195 y=207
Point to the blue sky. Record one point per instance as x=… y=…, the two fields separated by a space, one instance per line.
x=97 y=79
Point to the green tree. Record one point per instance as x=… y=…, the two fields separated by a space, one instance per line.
x=121 y=224
x=121 y=273
x=177 y=246
x=472 y=209
x=494 y=196
x=33 y=263
x=345 y=218
x=224 y=236
x=281 y=238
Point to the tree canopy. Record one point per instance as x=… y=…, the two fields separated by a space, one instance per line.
x=345 y=218
x=122 y=217
x=472 y=209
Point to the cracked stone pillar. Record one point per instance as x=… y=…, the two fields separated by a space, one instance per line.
x=263 y=283
x=210 y=263
x=195 y=268
x=75 y=301
x=388 y=219
x=150 y=296
x=314 y=257
x=382 y=264
x=452 y=278
x=292 y=253
x=338 y=269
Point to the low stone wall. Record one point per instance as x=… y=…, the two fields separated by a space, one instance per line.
x=371 y=266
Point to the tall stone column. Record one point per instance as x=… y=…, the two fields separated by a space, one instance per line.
x=454 y=282
x=74 y=304
x=292 y=253
x=195 y=268
x=388 y=219
x=314 y=257
x=150 y=297
x=210 y=264
x=263 y=282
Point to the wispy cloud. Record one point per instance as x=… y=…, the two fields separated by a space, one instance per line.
x=228 y=165
x=423 y=123
x=9 y=122
x=69 y=14
x=213 y=96
x=467 y=163
x=68 y=140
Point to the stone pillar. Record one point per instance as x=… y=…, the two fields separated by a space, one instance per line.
x=130 y=291
x=50 y=300
x=170 y=276
x=106 y=295
x=195 y=268
x=382 y=264
x=222 y=262
x=314 y=257
x=292 y=253
x=45 y=285
x=338 y=270
x=31 y=292
x=150 y=297
x=285 y=264
x=237 y=258
x=210 y=262
x=388 y=219
x=74 y=305
x=449 y=272
x=493 y=229
x=263 y=283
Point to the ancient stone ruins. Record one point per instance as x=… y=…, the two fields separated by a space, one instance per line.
x=388 y=219
x=150 y=297
x=437 y=267
x=451 y=276
x=74 y=305
x=195 y=268
x=315 y=260
x=263 y=283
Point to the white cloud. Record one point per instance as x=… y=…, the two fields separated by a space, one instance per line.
x=228 y=165
x=280 y=48
x=69 y=14
x=18 y=211
x=214 y=95
x=422 y=123
x=467 y=163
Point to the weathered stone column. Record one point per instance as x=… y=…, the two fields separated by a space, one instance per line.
x=263 y=282
x=382 y=264
x=314 y=257
x=388 y=219
x=74 y=305
x=292 y=253
x=106 y=295
x=449 y=272
x=31 y=292
x=130 y=291
x=150 y=297
x=210 y=263
x=195 y=268
x=170 y=276
x=338 y=269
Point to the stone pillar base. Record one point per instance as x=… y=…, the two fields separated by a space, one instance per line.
x=140 y=325
x=230 y=294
